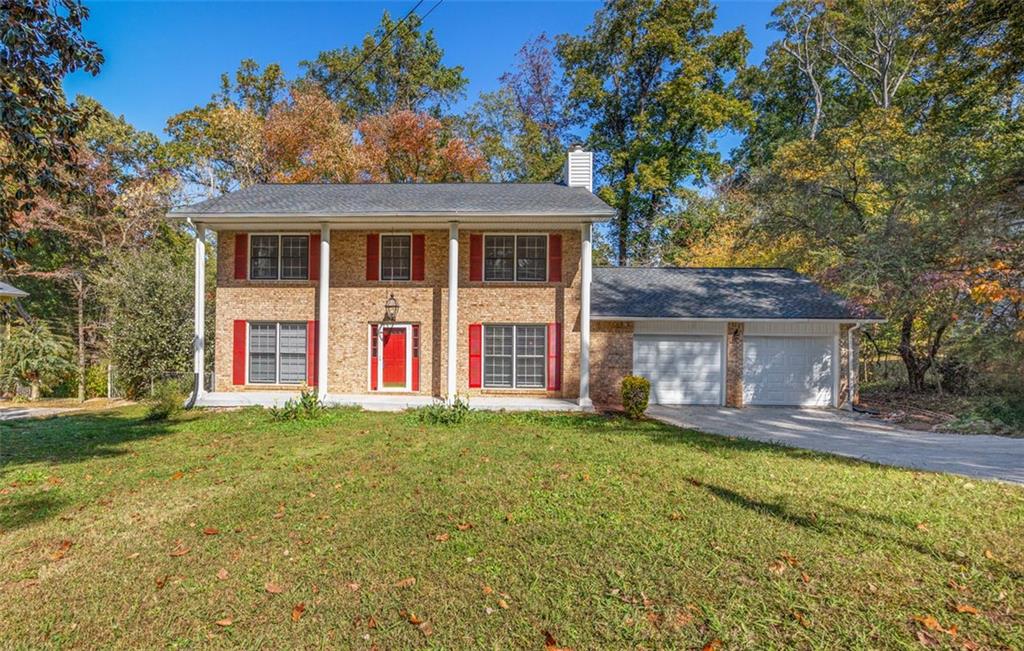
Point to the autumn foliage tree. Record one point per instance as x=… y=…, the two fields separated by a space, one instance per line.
x=407 y=147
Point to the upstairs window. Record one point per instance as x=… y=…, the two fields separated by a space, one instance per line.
x=395 y=257
x=279 y=257
x=515 y=258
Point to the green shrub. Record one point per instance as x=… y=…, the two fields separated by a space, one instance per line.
x=307 y=406
x=441 y=413
x=168 y=401
x=636 y=391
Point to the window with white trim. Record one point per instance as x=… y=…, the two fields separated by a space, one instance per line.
x=514 y=356
x=277 y=353
x=395 y=257
x=279 y=257
x=516 y=258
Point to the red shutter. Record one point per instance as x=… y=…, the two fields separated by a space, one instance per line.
x=314 y=256
x=312 y=352
x=415 y=357
x=238 y=353
x=475 y=357
x=241 y=256
x=418 y=256
x=554 y=356
x=554 y=258
x=476 y=257
x=373 y=256
x=374 y=342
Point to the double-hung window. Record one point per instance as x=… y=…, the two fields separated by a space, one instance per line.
x=277 y=353
x=514 y=356
x=515 y=258
x=279 y=257
x=395 y=257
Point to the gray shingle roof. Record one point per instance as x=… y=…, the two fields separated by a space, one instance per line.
x=714 y=293
x=403 y=199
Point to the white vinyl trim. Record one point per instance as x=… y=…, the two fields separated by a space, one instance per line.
x=380 y=357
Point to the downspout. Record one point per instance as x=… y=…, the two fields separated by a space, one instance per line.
x=196 y=376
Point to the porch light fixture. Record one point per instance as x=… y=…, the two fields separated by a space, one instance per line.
x=390 y=309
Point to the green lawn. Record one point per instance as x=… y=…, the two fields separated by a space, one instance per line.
x=604 y=532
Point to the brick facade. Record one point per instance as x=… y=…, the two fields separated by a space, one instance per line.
x=355 y=303
x=734 y=364
x=611 y=359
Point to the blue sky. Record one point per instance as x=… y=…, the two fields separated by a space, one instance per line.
x=165 y=57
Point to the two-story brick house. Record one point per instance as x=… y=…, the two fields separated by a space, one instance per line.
x=402 y=293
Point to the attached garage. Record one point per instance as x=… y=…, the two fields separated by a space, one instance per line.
x=793 y=370
x=732 y=337
x=682 y=369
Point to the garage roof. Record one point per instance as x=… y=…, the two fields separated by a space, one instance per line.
x=714 y=293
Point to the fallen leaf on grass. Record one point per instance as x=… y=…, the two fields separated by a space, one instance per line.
x=161 y=581
x=210 y=531
x=551 y=645
x=713 y=645
x=132 y=557
x=804 y=577
x=989 y=555
x=273 y=588
x=778 y=566
x=465 y=526
x=65 y=545
x=442 y=537
x=297 y=611
x=371 y=622
x=352 y=585
x=178 y=475
x=803 y=621
x=488 y=590
x=922 y=526
x=966 y=609
x=503 y=604
x=421 y=624
x=225 y=622
x=180 y=550
x=222 y=574
x=280 y=511
x=933 y=624
x=406 y=583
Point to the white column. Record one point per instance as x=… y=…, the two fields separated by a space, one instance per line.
x=453 y=309
x=323 y=294
x=585 y=273
x=199 y=344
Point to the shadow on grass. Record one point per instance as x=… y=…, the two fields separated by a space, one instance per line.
x=71 y=438
x=21 y=512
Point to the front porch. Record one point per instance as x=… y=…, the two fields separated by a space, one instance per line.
x=382 y=401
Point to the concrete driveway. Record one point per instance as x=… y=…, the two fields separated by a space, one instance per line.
x=852 y=435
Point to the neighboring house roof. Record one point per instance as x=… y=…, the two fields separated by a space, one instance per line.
x=10 y=291
x=714 y=293
x=402 y=199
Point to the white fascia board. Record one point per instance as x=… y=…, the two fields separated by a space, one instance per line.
x=391 y=220
x=737 y=318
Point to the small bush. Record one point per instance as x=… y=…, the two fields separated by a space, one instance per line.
x=168 y=401
x=441 y=413
x=307 y=406
x=956 y=376
x=636 y=391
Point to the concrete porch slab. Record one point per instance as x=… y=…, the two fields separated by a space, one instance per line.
x=382 y=401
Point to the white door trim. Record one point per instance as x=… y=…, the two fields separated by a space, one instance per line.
x=408 y=358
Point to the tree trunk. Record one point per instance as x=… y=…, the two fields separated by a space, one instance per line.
x=81 y=341
x=915 y=374
x=33 y=393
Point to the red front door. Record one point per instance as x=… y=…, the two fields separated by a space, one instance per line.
x=394 y=359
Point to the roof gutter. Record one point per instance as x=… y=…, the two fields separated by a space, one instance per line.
x=374 y=218
x=859 y=322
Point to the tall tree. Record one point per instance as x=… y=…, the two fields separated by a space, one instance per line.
x=522 y=127
x=396 y=67
x=407 y=147
x=119 y=205
x=41 y=42
x=254 y=89
x=651 y=81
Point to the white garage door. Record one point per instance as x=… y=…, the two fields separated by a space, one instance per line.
x=787 y=371
x=683 y=369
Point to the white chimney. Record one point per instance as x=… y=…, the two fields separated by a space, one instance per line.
x=579 y=168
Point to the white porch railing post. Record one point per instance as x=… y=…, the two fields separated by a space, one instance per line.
x=453 y=309
x=323 y=296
